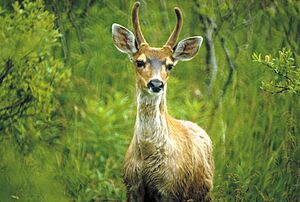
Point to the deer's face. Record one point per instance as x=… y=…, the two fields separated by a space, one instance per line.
x=153 y=65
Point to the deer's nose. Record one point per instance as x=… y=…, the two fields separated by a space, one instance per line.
x=155 y=85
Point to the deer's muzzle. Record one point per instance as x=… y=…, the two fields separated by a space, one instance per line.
x=155 y=85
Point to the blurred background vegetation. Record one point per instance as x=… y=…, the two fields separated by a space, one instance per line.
x=67 y=96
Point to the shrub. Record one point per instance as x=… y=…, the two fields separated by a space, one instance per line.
x=30 y=76
x=286 y=74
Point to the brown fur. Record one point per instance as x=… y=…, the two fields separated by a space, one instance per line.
x=185 y=173
x=168 y=159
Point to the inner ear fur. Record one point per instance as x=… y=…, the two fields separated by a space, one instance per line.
x=124 y=39
x=187 y=48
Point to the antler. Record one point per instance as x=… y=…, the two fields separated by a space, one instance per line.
x=173 y=38
x=136 y=25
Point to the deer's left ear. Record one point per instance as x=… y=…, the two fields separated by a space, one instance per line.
x=187 y=48
x=123 y=39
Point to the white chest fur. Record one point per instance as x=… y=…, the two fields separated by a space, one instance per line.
x=151 y=130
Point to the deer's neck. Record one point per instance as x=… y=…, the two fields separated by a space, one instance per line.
x=151 y=120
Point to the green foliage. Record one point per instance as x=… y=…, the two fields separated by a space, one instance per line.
x=72 y=145
x=95 y=148
x=30 y=76
x=28 y=178
x=100 y=114
x=287 y=75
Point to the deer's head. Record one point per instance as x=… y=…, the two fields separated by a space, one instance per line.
x=153 y=65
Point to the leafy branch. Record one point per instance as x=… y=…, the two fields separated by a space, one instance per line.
x=286 y=75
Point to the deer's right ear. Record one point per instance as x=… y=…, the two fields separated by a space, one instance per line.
x=123 y=39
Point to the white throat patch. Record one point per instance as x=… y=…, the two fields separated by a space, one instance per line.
x=151 y=124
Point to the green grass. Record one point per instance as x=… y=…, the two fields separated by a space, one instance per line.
x=255 y=134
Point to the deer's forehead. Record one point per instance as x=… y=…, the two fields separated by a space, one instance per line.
x=157 y=56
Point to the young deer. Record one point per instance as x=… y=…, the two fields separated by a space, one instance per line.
x=168 y=159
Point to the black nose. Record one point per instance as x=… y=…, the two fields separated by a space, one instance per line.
x=155 y=85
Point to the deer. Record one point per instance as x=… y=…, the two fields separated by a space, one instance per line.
x=167 y=159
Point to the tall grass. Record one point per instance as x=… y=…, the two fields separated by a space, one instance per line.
x=255 y=134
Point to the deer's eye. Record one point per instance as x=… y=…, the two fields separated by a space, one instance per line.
x=140 y=64
x=170 y=67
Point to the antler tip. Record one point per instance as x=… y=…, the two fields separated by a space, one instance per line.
x=136 y=4
x=136 y=25
x=173 y=38
x=177 y=11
